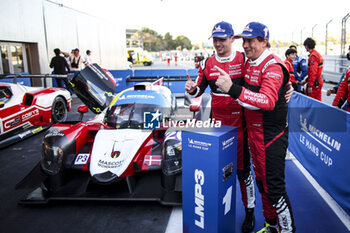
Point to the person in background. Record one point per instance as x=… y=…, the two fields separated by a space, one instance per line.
x=335 y=88
x=201 y=57
x=263 y=96
x=300 y=69
x=196 y=61
x=343 y=93
x=314 y=71
x=225 y=109
x=76 y=61
x=290 y=57
x=87 y=58
x=60 y=66
x=342 y=97
x=5 y=64
x=67 y=57
x=168 y=58
x=175 y=59
x=130 y=58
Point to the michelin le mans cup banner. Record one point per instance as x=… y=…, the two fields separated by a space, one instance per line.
x=319 y=137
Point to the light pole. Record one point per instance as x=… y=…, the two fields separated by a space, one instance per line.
x=327 y=35
x=312 y=34
x=301 y=40
x=343 y=33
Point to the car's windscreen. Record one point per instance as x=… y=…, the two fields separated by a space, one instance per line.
x=129 y=115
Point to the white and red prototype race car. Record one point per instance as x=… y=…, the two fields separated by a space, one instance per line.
x=130 y=151
x=25 y=111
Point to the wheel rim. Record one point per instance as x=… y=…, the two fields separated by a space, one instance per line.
x=59 y=111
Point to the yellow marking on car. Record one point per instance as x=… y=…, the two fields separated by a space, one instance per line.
x=37 y=130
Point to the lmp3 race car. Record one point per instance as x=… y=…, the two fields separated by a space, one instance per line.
x=128 y=152
x=25 y=111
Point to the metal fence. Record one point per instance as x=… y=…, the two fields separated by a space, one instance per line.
x=333 y=67
x=44 y=77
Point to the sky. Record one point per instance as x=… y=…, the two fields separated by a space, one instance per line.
x=195 y=18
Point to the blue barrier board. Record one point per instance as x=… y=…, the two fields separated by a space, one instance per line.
x=319 y=137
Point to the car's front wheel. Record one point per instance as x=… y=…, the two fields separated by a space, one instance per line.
x=59 y=110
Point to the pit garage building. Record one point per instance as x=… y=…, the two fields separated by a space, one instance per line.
x=31 y=30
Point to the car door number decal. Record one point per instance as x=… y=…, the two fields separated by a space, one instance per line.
x=81 y=159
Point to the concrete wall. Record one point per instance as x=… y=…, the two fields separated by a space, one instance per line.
x=54 y=26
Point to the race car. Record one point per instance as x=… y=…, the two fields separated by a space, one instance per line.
x=25 y=111
x=128 y=152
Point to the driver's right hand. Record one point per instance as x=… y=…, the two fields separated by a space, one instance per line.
x=190 y=86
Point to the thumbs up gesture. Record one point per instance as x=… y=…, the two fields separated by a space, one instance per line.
x=190 y=86
x=224 y=81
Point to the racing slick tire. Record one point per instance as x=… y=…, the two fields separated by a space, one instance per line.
x=59 y=110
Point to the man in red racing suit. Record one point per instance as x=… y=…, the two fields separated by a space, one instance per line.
x=343 y=92
x=226 y=109
x=263 y=96
x=291 y=54
x=314 y=71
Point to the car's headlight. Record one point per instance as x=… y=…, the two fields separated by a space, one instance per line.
x=172 y=148
x=172 y=157
x=52 y=157
x=58 y=151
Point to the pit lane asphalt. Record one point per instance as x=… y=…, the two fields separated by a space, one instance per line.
x=17 y=161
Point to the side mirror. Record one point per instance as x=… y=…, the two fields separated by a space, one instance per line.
x=194 y=108
x=82 y=109
x=2 y=104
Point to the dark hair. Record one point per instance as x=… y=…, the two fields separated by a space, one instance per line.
x=290 y=51
x=262 y=39
x=77 y=50
x=293 y=46
x=310 y=43
x=57 y=51
x=88 y=51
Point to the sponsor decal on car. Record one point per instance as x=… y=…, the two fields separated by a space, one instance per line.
x=11 y=123
x=108 y=164
x=22 y=135
x=37 y=130
x=115 y=154
x=30 y=114
x=153 y=160
x=54 y=132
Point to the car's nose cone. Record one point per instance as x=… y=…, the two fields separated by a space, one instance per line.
x=105 y=177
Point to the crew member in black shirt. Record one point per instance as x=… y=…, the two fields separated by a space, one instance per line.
x=59 y=65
